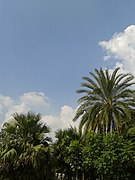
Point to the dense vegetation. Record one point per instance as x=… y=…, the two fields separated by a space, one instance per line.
x=102 y=149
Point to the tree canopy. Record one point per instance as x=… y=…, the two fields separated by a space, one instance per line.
x=105 y=150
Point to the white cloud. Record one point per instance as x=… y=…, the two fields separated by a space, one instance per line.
x=67 y=114
x=34 y=99
x=122 y=48
x=6 y=103
x=38 y=103
x=63 y=120
x=31 y=101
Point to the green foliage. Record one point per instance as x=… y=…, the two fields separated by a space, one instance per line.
x=75 y=158
x=117 y=158
x=96 y=157
x=61 y=150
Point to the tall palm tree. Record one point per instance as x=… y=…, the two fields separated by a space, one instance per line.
x=107 y=102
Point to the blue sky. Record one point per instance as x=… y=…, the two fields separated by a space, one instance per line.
x=46 y=46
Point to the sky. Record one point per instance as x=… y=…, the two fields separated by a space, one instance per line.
x=47 y=46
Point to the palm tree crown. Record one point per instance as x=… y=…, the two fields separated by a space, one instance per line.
x=107 y=102
x=28 y=128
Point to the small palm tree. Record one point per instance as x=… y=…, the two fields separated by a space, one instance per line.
x=107 y=102
x=24 y=146
x=60 y=147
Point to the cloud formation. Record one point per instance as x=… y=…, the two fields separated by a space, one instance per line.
x=63 y=120
x=38 y=103
x=31 y=101
x=121 y=47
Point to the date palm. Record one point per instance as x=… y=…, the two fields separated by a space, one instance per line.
x=107 y=103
